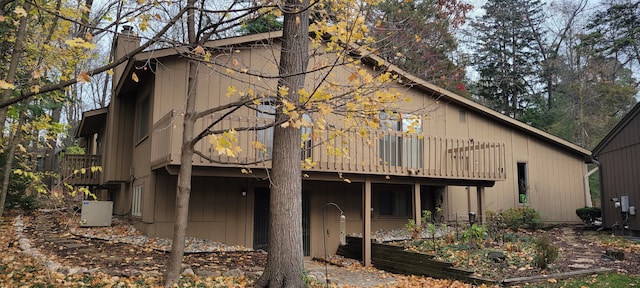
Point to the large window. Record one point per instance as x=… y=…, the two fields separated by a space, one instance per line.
x=266 y=112
x=142 y=119
x=393 y=200
x=405 y=149
x=307 y=143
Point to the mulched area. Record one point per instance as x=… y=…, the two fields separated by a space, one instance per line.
x=50 y=234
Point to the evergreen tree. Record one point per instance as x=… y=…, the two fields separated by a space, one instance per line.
x=417 y=36
x=616 y=31
x=507 y=57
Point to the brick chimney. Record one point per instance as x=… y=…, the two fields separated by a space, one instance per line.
x=125 y=43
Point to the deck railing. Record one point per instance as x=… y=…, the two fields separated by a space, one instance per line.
x=76 y=169
x=361 y=151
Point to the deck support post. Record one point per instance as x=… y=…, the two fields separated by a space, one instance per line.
x=417 y=210
x=480 y=208
x=366 y=229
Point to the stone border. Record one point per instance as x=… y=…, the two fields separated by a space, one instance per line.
x=49 y=265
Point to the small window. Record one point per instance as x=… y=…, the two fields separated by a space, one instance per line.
x=136 y=202
x=142 y=119
x=523 y=184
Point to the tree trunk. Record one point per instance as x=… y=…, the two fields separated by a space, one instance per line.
x=16 y=57
x=10 y=155
x=174 y=266
x=285 y=259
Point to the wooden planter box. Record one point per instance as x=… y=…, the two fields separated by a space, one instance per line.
x=395 y=259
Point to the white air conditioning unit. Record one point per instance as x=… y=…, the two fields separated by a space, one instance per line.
x=96 y=213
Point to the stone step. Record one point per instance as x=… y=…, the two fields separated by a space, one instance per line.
x=579 y=266
x=74 y=245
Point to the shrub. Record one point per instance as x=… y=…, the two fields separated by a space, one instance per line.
x=522 y=218
x=546 y=252
x=477 y=233
x=589 y=214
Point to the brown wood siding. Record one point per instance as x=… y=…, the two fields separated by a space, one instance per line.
x=620 y=173
x=119 y=140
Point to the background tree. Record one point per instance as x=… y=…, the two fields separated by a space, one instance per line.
x=616 y=32
x=507 y=54
x=419 y=37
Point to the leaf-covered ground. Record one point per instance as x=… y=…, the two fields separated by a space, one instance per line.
x=579 y=248
x=88 y=262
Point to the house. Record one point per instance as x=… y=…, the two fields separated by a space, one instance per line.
x=618 y=158
x=466 y=158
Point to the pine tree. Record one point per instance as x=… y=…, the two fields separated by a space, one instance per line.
x=507 y=57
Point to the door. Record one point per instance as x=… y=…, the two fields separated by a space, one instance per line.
x=306 y=223
x=261 y=219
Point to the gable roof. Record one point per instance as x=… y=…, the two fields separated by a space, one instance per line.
x=410 y=81
x=617 y=129
x=92 y=121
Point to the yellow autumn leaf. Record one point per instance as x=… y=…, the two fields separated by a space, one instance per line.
x=35 y=89
x=134 y=77
x=20 y=12
x=83 y=77
x=283 y=91
x=88 y=36
x=199 y=50
x=110 y=72
x=230 y=91
x=80 y=43
x=6 y=85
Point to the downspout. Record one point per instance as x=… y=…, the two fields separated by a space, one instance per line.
x=587 y=189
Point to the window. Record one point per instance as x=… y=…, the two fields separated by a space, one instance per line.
x=394 y=202
x=401 y=150
x=142 y=119
x=523 y=184
x=136 y=202
x=266 y=111
x=463 y=116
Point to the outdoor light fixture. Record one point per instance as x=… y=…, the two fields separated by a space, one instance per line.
x=472 y=217
x=343 y=222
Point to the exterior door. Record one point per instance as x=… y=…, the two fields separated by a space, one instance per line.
x=261 y=219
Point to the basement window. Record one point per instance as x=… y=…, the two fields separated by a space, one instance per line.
x=136 y=202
